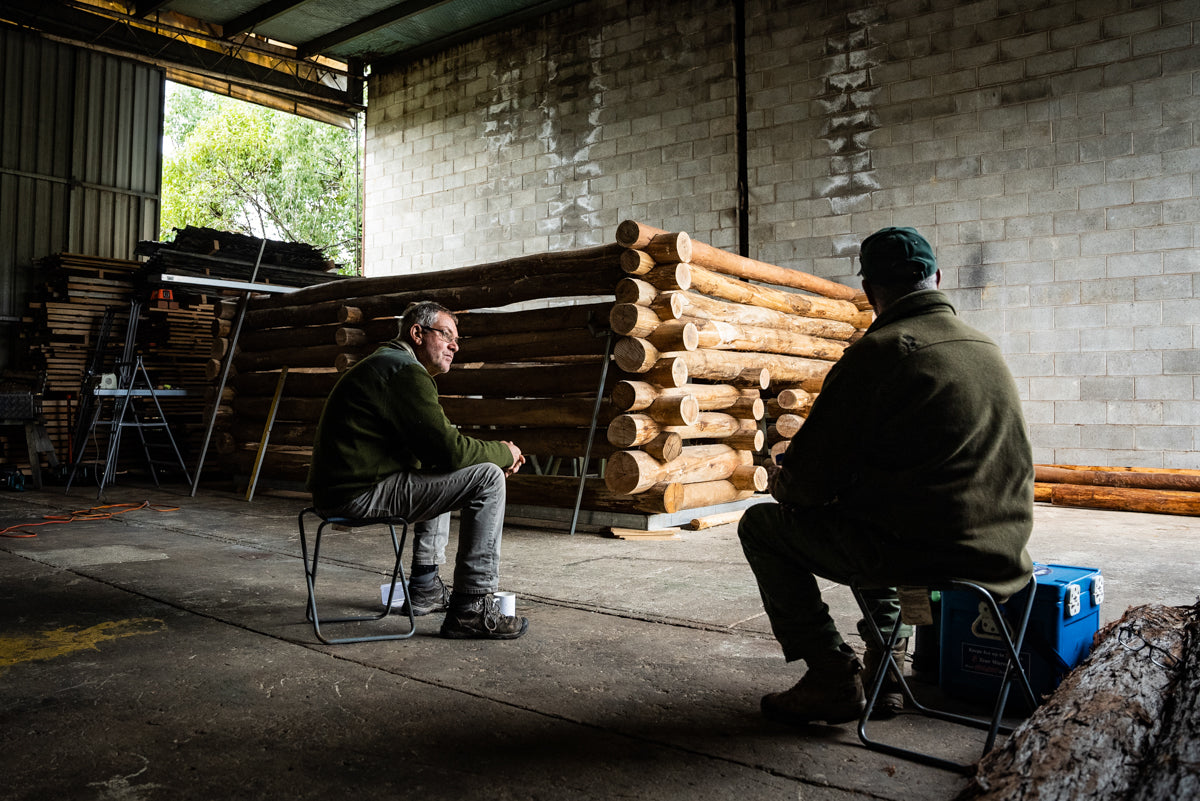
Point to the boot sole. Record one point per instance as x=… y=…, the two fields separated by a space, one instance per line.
x=451 y=634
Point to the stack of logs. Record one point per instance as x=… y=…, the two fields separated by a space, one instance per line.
x=679 y=419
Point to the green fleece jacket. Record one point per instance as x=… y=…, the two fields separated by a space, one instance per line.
x=918 y=431
x=383 y=416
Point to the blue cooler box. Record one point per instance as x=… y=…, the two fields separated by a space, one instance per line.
x=1064 y=620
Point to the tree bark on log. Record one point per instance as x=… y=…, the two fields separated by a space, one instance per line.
x=554 y=318
x=691 y=304
x=717 y=335
x=1090 y=739
x=546 y=412
x=316 y=356
x=559 y=441
x=559 y=492
x=531 y=345
x=603 y=258
x=533 y=381
x=1168 y=502
x=634 y=396
x=710 y=493
x=296 y=337
x=631 y=472
x=638 y=355
x=1105 y=478
x=633 y=234
x=292 y=316
x=486 y=295
x=1174 y=768
x=719 y=286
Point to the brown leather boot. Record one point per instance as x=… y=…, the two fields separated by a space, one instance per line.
x=891 y=699
x=831 y=691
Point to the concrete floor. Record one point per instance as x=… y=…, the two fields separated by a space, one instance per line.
x=165 y=655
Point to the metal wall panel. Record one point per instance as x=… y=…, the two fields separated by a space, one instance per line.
x=80 y=160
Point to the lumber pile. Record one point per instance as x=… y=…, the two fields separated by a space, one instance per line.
x=1123 y=726
x=202 y=251
x=681 y=419
x=1127 y=489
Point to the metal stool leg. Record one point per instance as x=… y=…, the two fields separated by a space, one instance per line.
x=310 y=577
x=1014 y=674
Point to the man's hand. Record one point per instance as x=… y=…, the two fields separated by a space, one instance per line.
x=518 y=458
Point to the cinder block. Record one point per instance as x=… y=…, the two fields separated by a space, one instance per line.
x=1109 y=437
x=1068 y=412
x=1135 y=412
x=1164 y=387
x=1181 y=413
x=1164 y=338
x=1164 y=437
x=1135 y=364
x=1106 y=388
x=1082 y=365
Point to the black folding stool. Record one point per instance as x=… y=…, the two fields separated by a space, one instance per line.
x=1010 y=634
x=310 y=574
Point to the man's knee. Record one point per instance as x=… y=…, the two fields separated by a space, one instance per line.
x=489 y=479
x=757 y=520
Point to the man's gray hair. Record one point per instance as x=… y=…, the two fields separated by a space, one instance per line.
x=424 y=314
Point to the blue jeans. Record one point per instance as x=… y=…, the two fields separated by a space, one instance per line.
x=426 y=500
x=787 y=551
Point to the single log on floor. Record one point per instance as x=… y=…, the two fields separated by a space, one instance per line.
x=548 y=412
x=1173 y=770
x=532 y=381
x=719 y=286
x=633 y=234
x=1090 y=739
x=561 y=441
x=631 y=472
x=586 y=260
x=1172 y=470
x=692 y=304
x=1111 y=478
x=559 y=492
x=1167 y=502
x=554 y=318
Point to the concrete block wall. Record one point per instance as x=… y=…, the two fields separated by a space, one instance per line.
x=1048 y=149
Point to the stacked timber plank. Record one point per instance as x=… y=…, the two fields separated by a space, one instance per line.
x=1127 y=489
x=680 y=418
x=198 y=251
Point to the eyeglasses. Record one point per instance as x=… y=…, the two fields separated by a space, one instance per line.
x=444 y=334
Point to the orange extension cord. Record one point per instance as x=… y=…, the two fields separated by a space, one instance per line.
x=95 y=513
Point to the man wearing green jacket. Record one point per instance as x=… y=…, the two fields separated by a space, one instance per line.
x=914 y=464
x=385 y=447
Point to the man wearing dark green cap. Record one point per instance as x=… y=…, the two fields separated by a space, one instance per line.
x=914 y=464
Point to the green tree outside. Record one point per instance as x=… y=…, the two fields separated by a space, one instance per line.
x=236 y=166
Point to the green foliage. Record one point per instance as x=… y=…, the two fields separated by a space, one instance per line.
x=239 y=167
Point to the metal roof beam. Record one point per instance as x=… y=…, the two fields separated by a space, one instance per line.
x=244 y=62
x=259 y=14
x=365 y=25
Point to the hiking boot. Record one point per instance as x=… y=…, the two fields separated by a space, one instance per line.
x=426 y=597
x=831 y=691
x=481 y=620
x=891 y=698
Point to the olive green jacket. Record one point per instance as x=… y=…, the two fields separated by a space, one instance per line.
x=383 y=416
x=918 y=432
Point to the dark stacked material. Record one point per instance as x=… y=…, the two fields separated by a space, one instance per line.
x=208 y=252
x=63 y=325
x=681 y=419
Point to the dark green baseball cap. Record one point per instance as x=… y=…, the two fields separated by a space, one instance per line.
x=896 y=256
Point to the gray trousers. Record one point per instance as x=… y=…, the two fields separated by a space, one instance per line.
x=426 y=500
x=788 y=551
